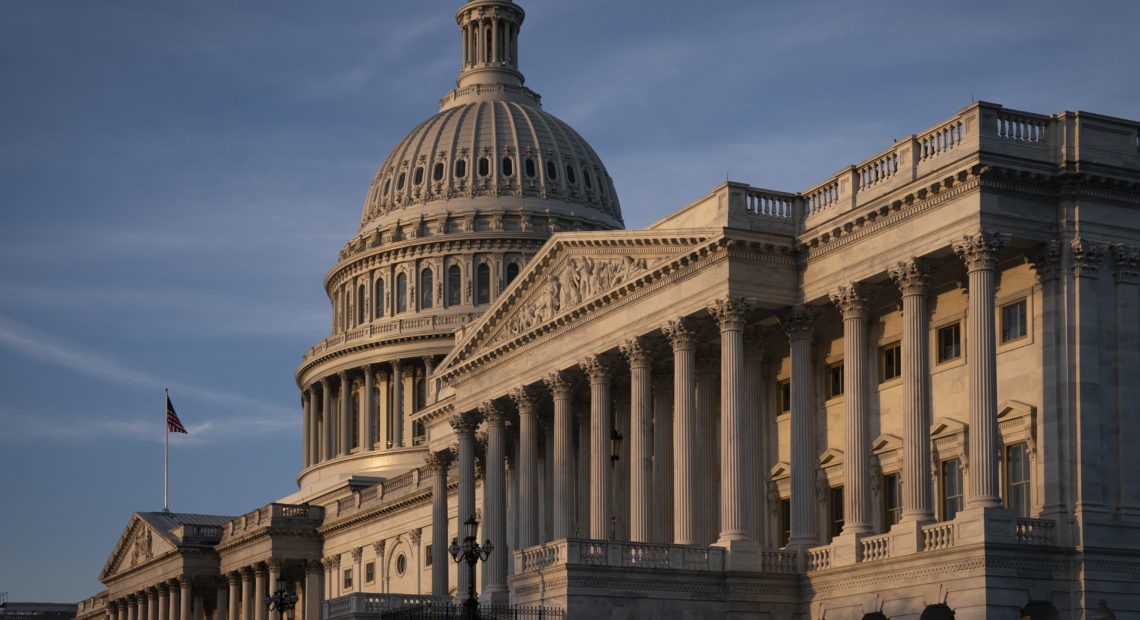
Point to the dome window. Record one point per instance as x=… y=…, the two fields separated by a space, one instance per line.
x=454 y=285
x=512 y=272
x=570 y=178
x=426 y=288
x=484 y=166
x=387 y=186
x=508 y=167
x=379 y=297
x=402 y=293
x=483 y=284
x=551 y=170
x=529 y=167
x=400 y=181
x=437 y=172
x=361 y=304
x=418 y=176
x=461 y=169
x=586 y=179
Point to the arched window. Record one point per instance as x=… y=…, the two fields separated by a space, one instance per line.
x=512 y=272
x=355 y=419
x=378 y=301
x=551 y=170
x=361 y=307
x=387 y=186
x=461 y=168
x=426 y=287
x=402 y=293
x=418 y=177
x=483 y=284
x=508 y=166
x=454 y=285
x=437 y=172
x=400 y=181
x=938 y=611
x=570 y=175
x=484 y=166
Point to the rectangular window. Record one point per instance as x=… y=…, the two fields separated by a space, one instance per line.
x=890 y=361
x=1013 y=321
x=835 y=380
x=427 y=555
x=370 y=572
x=949 y=342
x=785 y=522
x=348 y=579
x=785 y=396
x=951 y=478
x=1017 y=479
x=892 y=500
x=835 y=502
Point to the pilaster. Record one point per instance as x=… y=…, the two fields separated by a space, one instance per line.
x=1126 y=272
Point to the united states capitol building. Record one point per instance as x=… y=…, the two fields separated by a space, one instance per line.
x=908 y=392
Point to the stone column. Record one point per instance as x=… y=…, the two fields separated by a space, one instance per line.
x=307 y=430
x=1046 y=262
x=1085 y=381
x=163 y=602
x=852 y=304
x=429 y=368
x=1126 y=269
x=260 y=591
x=641 y=505
x=546 y=522
x=328 y=425
x=582 y=476
x=685 y=433
x=439 y=462
x=247 y=600
x=368 y=416
x=755 y=423
x=465 y=425
x=197 y=611
x=234 y=580
x=736 y=454
x=383 y=415
x=495 y=502
x=979 y=252
x=707 y=450
x=344 y=419
x=185 y=593
x=562 y=511
x=601 y=480
x=132 y=603
x=917 y=500
x=662 y=456
x=797 y=324
x=271 y=584
x=398 y=408
x=152 y=604
x=221 y=601
x=175 y=607
x=314 y=593
x=527 y=468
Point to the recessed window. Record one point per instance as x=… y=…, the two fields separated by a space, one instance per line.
x=437 y=172
x=370 y=572
x=483 y=284
x=586 y=179
x=461 y=168
x=427 y=555
x=785 y=396
x=892 y=500
x=950 y=475
x=400 y=181
x=484 y=166
x=528 y=167
x=426 y=287
x=785 y=522
x=401 y=564
x=949 y=342
x=454 y=285
x=361 y=303
x=1013 y=321
x=508 y=167
x=835 y=380
x=570 y=176
x=348 y=579
x=890 y=361
x=1017 y=479
x=379 y=301
x=418 y=175
x=387 y=186
x=512 y=272
x=402 y=293
x=551 y=170
x=835 y=501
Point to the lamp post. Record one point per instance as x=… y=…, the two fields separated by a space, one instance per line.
x=282 y=602
x=471 y=552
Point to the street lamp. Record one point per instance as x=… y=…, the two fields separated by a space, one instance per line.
x=282 y=602
x=472 y=553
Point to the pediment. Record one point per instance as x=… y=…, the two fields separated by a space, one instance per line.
x=886 y=443
x=947 y=426
x=140 y=543
x=573 y=273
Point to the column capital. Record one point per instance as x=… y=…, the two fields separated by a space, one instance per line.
x=233 y=578
x=439 y=460
x=637 y=351
x=465 y=423
x=980 y=251
x=1126 y=263
x=343 y=375
x=381 y=375
x=559 y=383
x=851 y=300
x=1046 y=261
x=730 y=314
x=798 y=322
x=325 y=384
x=414 y=536
x=596 y=368
x=523 y=397
x=395 y=364
x=680 y=334
x=493 y=413
x=357 y=553
x=378 y=547
x=314 y=567
x=911 y=276
x=1086 y=257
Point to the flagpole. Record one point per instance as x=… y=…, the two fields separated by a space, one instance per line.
x=165 y=456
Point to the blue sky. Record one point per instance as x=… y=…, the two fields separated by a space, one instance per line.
x=176 y=178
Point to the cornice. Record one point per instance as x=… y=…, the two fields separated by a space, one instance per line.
x=415 y=498
x=347 y=349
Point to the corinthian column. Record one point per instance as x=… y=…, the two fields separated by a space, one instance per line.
x=439 y=462
x=662 y=454
x=344 y=420
x=368 y=416
x=852 y=303
x=979 y=252
x=528 y=468
x=736 y=465
x=598 y=373
x=563 y=510
x=184 y=586
x=234 y=581
x=917 y=506
x=398 y=407
x=495 y=502
x=636 y=350
x=328 y=426
x=465 y=425
x=685 y=432
x=797 y=324
x=307 y=431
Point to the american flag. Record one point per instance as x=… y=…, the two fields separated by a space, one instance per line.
x=173 y=424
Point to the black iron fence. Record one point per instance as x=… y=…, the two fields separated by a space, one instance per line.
x=433 y=610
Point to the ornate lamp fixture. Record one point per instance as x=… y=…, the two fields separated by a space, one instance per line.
x=472 y=553
x=615 y=446
x=281 y=601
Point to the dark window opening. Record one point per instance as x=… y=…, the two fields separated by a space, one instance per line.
x=418 y=175
x=529 y=167
x=461 y=168
x=437 y=172
x=426 y=288
x=402 y=293
x=483 y=284
x=484 y=166
x=508 y=167
x=454 y=286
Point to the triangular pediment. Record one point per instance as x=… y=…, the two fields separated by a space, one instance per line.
x=573 y=273
x=140 y=543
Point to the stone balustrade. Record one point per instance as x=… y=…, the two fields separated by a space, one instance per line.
x=1036 y=532
x=399 y=327
x=818 y=558
x=938 y=536
x=271 y=515
x=621 y=554
x=363 y=604
x=876 y=547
